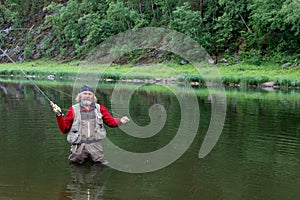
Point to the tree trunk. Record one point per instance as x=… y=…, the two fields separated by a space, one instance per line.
x=201 y=15
x=201 y=8
x=153 y=10
x=140 y=6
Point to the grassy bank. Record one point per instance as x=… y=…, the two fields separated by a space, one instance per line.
x=234 y=75
x=282 y=95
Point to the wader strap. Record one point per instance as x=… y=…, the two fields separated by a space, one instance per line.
x=89 y=141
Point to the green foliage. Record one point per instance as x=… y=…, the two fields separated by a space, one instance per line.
x=231 y=80
x=193 y=78
x=9 y=14
x=229 y=24
x=27 y=52
x=290 y=11
x=81 y=26
x=252 y=56
x=121 y=18
x=287 y=82
x=249 y=30
x=276 y=26
x=186 y=21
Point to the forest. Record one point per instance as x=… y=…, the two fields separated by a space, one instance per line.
x=252 y=31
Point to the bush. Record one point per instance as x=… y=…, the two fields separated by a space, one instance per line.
x=253 y=56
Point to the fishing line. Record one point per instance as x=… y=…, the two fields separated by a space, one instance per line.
x=27 y=77
x=37 y=87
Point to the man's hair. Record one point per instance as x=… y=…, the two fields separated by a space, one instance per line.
x=78 y=98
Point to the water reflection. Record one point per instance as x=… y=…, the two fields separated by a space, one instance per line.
x=13 y=91
x=256 y=157
x=85 y=182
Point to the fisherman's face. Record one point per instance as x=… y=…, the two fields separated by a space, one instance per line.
x=87 y=98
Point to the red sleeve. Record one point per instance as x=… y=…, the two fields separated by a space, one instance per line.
x=108 y=119
x=65 y=123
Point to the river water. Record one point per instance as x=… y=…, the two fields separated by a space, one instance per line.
x=256 y=157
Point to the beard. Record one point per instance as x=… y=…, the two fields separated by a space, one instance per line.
x=86 y=102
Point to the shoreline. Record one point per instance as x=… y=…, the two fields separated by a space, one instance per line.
x=242 y=75
x=172 y=81
x=232 y=93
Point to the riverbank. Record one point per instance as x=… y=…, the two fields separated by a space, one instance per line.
x=234 y=93
x=239 y=75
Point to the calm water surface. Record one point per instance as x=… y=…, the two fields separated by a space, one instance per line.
x=256 y=157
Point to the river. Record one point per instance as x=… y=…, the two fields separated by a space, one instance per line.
x=257 y=156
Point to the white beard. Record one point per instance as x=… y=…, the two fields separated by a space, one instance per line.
x=86 y=102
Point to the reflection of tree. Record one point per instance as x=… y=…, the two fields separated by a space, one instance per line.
x=24 y=90
x=85 y=182
x=11 y=90
x=259 y=149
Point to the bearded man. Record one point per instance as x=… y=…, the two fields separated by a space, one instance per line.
x=84 y=124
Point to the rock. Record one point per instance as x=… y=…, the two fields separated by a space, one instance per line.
x=212 y=61
x=285 y=64
x=51 y=77
x=183 y=62
x=268 y=84
x=195 y=83
x=36 y=56
x=223 y=60
x=293 y=65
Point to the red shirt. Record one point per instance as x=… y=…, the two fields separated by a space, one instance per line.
x=65 y=123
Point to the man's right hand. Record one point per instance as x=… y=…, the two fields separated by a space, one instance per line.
x=56 y=109
x=125 y=120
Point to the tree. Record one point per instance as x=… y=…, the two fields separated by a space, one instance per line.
x=186 y=21
x=275 y=24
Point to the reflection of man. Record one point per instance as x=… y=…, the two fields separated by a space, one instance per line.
x=87 y=182
x=84 y=124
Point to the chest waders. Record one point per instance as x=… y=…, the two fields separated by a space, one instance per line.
x=87 y=127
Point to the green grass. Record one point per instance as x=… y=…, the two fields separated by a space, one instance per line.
x=238 y=74
x=256 y=75
x=231 y=93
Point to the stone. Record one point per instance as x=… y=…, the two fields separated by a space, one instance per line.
x=268 y=84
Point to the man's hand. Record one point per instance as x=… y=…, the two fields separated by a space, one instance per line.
x=56 y=109
x=125 y=120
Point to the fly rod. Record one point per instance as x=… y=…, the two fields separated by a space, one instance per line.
x=28 y=78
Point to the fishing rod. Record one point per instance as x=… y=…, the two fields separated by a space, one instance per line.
x=28 y=78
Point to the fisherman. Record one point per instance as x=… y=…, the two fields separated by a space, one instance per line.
x=84 y=124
